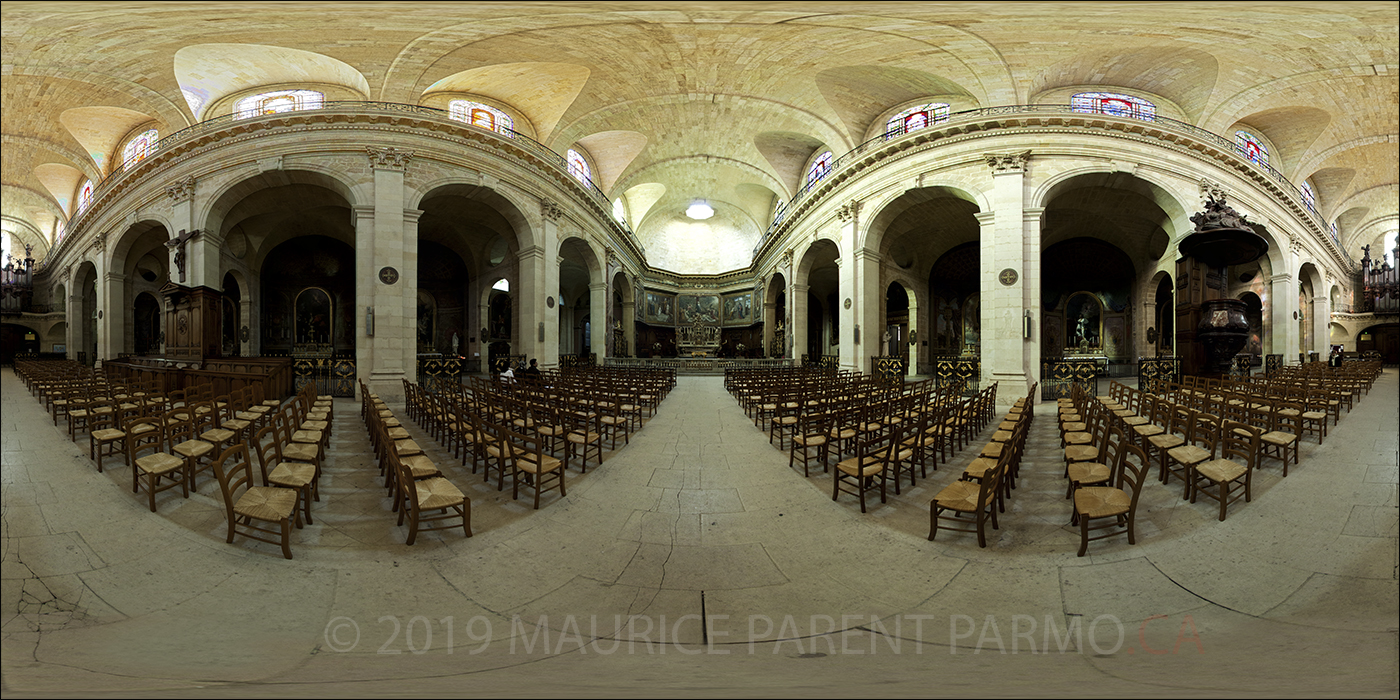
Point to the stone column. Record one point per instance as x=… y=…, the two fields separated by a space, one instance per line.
x=598 y=319
x=383 y=356
x=797 y=302
x=113 y=307
x=1283 y=302
x=1030 y=284
x=770 y=321
x=181 y=199
x=629 y=324
x=870 y=309
x=1321 y=319
x=246 y=346
x=849 y=314
x=1003 y=253
x=408 y=277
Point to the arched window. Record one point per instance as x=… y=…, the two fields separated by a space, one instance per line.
x=85 y=195
x=276 y=102
x=138 y=148
x=578 y=167
x=916 y=118
x=1251 y=147
x=820 y=167
x=1333 y=229
x=58 y=230
x=1309 y=199
x=482 y=116
x=502 y=284
x=619 y=211
x=1114 y=104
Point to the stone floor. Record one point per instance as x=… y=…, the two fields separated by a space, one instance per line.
x=694 y=562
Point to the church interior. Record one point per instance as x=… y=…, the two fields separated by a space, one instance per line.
x=636 y=260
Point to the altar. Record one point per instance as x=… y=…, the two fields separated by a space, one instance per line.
x=697 y=340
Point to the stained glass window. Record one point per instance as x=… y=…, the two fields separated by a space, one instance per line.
x=138 y=148
x=820 y=167
x=85 y=195
x=578 y=167
x=916 y=118
x=58 y=230
x=619 y=211
x=1333 y=228
x=1114 y=104
x=1250 y=147
x=480 y=115
x=1309 y=199
x=276 y=102
x=502 y=284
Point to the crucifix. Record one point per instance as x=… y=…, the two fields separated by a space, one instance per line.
x=178 y=245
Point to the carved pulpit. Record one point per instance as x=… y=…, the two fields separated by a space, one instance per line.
x=192 y=332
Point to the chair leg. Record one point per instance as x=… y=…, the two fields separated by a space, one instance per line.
x=287 y=538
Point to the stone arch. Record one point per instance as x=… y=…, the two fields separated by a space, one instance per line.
x=128 y=238
x=505 y=201
x=229 y=195
x=889 y=208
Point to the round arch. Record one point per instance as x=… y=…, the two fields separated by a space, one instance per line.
x=889 y=208
x=507 y=203
x=228 y=196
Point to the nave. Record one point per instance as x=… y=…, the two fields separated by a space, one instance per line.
x=699 y=514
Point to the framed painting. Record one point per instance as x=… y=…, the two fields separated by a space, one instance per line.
x=697 y=309
x=738 y=309
x=660 y=308
x=313 y=316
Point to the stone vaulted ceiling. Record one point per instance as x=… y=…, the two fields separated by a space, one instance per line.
x=726 y=102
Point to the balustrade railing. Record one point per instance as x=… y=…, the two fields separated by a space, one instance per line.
x=784 y=208
x=957 y=370
x=1059 y=375
x=1153 y=369
x=508 y=136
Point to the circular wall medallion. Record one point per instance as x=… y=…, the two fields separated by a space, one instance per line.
x=549 y=301
x=388 y=275
x=848 y=303
x=1008 y=277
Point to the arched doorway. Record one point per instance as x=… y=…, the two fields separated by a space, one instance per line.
x=308 y=298
x=146 y=315
x=897 y=319
x=820 y=315
x=16 y=339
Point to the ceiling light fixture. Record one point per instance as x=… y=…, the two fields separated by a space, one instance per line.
x=699 y=210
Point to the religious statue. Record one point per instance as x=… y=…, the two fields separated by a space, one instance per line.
x=178 y=245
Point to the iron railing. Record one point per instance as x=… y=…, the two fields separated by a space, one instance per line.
x=1154 y=369
x=957 y=370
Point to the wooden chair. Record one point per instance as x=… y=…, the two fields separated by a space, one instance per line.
x=198 y=454
x=812 y=433
x=1201 y=439
x=967 y=498
x=148 y=434
x=1285 y=434
x=246 y=504
x=436 y=496
x=1098 y=471
x=300 y=476
x=531 y=466
x=108 y=435
x=586 y=431
x=1118 y=503
x=876 y=456
x=1239 y=454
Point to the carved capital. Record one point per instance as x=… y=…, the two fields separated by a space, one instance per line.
x=1295 y=244
x=611 y=255
x=181 y=191
x=849 y=211
x=1007 y=162
x=786 y=259
x=99 y=242
x=388 y=158
x=551 y=209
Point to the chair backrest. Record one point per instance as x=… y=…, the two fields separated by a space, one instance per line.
x=269 y=452
x=138 y=441
x=235 y=474
x=1239 y=442
x=1132 y=473
x=1288 y=418
x=1205 y=431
